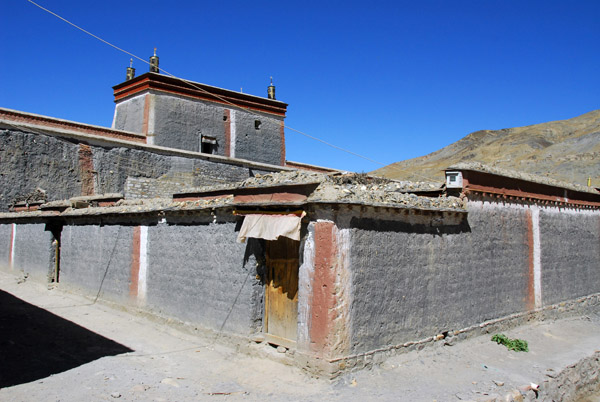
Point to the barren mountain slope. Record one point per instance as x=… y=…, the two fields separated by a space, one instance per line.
x=567 y=150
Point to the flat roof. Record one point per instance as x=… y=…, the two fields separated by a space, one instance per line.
x=102 y=136
x=196 y=90
x=513 y=174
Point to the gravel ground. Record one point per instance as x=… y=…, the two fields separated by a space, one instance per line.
x=58 y=346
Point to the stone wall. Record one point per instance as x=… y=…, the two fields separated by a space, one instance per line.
x=186 y=174
x=371 y=279
x=65 y=169
x=263 y=144
x=95 y=259
x=32 y=160
x=421 y=275
x=179 y=122
x=570 y=254
x=187 y=268
x=129 y=114
x=413 y=278
x=6 y=230
x=32 y=253
x=27 y=249
x=198 y=273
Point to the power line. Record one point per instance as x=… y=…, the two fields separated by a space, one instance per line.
x=142 y=169
x=248 y=110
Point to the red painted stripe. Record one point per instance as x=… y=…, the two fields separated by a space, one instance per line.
x=69 y=125
x=282 y=135
x=146 y=114
x=223 y=98
x=86 y=169
x=125 y=92
x=323 y=298
x=135 y=263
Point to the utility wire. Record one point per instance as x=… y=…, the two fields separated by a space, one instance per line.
x=253 y=112
x=87 y=32
x=146 y=169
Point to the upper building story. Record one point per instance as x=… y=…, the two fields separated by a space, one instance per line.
x=181 y=114
x=167 y=135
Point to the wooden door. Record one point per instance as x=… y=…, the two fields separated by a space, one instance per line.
x=281 y=290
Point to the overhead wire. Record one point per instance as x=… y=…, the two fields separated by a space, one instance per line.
x=245 y=109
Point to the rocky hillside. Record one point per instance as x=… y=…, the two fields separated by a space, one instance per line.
x=567 y=150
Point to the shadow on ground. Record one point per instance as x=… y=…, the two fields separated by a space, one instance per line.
x=35 y=343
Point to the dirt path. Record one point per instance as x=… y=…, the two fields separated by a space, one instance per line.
x=58 y=346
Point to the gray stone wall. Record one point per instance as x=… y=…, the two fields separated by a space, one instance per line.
x=570 y=254
x=263 y=144
x=208 y=173
x=182 y=177
x=416 y=279
x=179 y=122
x=32 y=252
x=5 y=244
x=129 y=115
x=96 y=259
x=115 y=165
x=198 y=273
x=30 y=161
x=408 y=275
x=141 y=187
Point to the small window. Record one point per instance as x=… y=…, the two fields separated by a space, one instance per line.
x=454 y=180
x=208 y=145
x=257 y=124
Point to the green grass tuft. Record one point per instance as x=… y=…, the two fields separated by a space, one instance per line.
x=518 y=345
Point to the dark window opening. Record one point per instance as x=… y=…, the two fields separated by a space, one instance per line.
x=257 y=124
x=208 y=145
x=225 y=118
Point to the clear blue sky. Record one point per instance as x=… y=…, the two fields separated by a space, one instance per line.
x=389 y=80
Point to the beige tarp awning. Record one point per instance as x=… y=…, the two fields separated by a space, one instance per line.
x=270 y=227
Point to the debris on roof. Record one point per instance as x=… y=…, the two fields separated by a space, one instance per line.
x=355 y=188
x=359 y=189
x=366 y=190
x=37 y=196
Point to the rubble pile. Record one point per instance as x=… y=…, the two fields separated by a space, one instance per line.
x=200 y=204
x=361 y=189
x=122 y=207
x=153 y=204
x=346 y=188
x=36 y=196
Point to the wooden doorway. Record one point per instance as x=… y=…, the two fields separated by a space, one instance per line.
x=281 y=291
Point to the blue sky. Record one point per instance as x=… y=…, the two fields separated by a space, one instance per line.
x=388 y=80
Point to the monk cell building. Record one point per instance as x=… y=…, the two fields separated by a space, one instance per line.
x=187 y=209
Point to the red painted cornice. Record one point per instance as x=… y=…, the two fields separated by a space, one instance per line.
x=51 y=122
x=508 y=188
x=166 y=84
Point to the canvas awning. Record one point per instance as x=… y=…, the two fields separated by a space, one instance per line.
x=270 y=226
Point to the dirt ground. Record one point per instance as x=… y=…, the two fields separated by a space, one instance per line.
x=57 y=346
